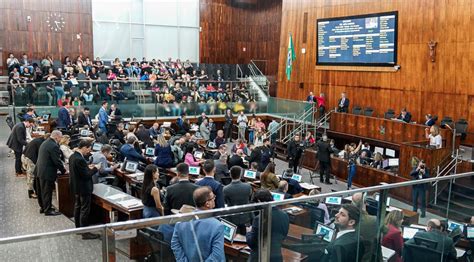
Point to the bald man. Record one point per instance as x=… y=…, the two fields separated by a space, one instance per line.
x=368 y=228
x=283 y=189
x=433 y=232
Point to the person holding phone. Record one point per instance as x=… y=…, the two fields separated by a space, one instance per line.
x=419 y=190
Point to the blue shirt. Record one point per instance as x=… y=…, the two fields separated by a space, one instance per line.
x=216 y=189
x=205 y=234
x=103 y=118
x=131 y=154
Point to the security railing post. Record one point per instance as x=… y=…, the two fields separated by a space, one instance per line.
x=110 y=239
x=265 y=233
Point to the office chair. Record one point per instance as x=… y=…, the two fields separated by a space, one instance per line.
x=226 y=180
x=311 y=245
x=368 y=111
x=415 y=253
x=356 y=110
x=160 y=249
x=446 y=121
x=389 y=114
x=461 y=127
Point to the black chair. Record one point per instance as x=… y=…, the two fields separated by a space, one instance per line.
x=447 y=120
x=461 y=127
x=389 y=114
x=312 y=246
x=160 y=249
x=316 y=214
x=368 y=111
x=416 y=253
x=372 y=206
x=356 y=110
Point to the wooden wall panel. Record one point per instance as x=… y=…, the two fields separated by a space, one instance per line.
x=442 y=88
x=36 y=38
x=226 y=30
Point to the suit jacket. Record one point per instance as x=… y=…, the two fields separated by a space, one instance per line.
x=117 y=114
x=179 y=194
x=221 y=170
x=83 y=120
x=324 y=151
x=430 y=122
x=415 y=176
x=49 y=161
x=344 y=107
x=216 y=189
x=144 y=136
x=280 y=226
x=32 y=149
x=103 y=118
x=64 y=119
x=17 y=138
x=131 y=154
x=294 y=150
x=255 y=156
x=343 y=249
x=368 y=231
x=236 y=160
x=405 y=119
x=445 y=243
x=238 y=193
x=207 y=235
x=80 y=179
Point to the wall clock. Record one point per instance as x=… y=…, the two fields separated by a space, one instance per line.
x=55 y=22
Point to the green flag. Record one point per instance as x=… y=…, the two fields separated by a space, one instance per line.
x=290 y=57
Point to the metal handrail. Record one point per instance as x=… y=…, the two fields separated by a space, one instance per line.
x=451 y=166
x=253 y=63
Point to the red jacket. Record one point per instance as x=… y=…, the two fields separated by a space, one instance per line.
x=394 y=240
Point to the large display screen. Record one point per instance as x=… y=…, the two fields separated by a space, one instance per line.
x=363 y=40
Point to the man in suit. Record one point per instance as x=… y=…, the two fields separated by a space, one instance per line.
x=222 y=170
x=29 y=159
x=236 y=159
x=204 y=130
x=128 y=150
x=154 y=130
x=200 y=239
x=103 y=117
x=419 y=191
x=344 y=247
x=64 y=118
x=81 y=185
x=114 y=113
x=238 y=193
x=47 y=166
x=433 y=232
x=222 y=150
x=181 y=192
x=368 y=229
x=143 y=135
x=280 y=225
x=429 y=120
x=405 y=116
x=17 y=140
x=324 y=157
x=255 y=154
x=201 y=118
x=283 y=189
x=209 y=169
x=84 y=118
x=294 y=151
x=343 y=104
x=310 y=98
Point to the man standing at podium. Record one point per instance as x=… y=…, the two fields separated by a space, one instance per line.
x=343 y=104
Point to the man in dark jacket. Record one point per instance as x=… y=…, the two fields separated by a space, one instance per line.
x=238 y=193
x=419 y=191
x=236 y=160
x=84 y=118
x=324 y=157
x=30 y=157
x=294 y=151
x=210 y=181
x=17 y=140
x=47 y=166
x=81 y=185
x=181 y=192
x=64 y=118
x=255 y=155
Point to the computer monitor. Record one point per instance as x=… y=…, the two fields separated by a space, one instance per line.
x=194 y=170
x=131 y=166
x=470 y=232
x=229 y=230
x=198 y=154
x=278 y=196
x=431 y=244
x=333 y=200
x=378 y=150
x=211 y=145
x=250 y=174
x=150 y=151
x=389 y=152
x=84 y=132
x=46 y=117
x=96 y=146
x=166 y=124
x=296 y=177
x=326 y=232
x=409 y=232
x=393 y=161
x=453 y=225
x=385 y=164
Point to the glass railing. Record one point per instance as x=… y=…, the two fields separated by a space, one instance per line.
x=140 y=99
x=376 y=223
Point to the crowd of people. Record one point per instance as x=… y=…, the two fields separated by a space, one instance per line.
x=170 y=82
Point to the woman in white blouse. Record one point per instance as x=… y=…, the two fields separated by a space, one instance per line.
x=65 y=149
x=433 y=135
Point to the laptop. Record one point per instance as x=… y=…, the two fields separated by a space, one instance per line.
x=194 y=170
x=131 y=167
x=211 y=145
x=333 y=200
x=409 y=232
x=230 y=232
x=96 y=147
x=150 y=151
x=296 y=177
x=46 y=117
x=198 y=154
x=377 y=197
x=250 y=174
x=84 y=132
x=278 y=196
x=325 y=231
x=453 y=225
x=470 y=232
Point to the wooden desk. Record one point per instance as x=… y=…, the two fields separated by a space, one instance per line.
x=240 y=252
x=295 y=232
x=300 y=218
x=65 y=198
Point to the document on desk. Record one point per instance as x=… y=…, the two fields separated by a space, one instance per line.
x=387 y=253
x=308 y=186
x=116 y=196
x=130 y=203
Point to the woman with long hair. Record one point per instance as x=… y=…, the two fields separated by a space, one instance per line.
x=268 y=178
x=151 y=197
x=393 y=238
x=351 y=157
x=163 y=153
x=65 y=149
x=433 y=135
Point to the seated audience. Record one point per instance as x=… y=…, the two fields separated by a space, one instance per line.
x=129 y=151
x=143 y=135
x=378 y=161
x=268 y=178
x=294 y=186
x=221 y=151
x=238 y=193
x=209 y=169
x=320 y=204
x=163 y=153
x=393 y=238
x=151 y=196
x=280 y=225
x=189 y=158
x=155 y=130
x=180 y=193
x=222 y=169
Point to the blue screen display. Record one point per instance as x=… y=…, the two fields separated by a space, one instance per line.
x=358 y=40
